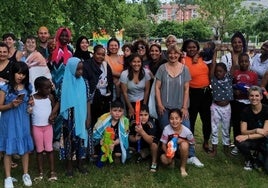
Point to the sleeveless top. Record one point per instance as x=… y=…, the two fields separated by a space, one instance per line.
x=6 y=71
x=13 y=57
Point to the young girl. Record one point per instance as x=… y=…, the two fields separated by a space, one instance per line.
x=15 y=135
x=75 y=109
x=145 y=135
x=42 y=130
x=184 y=138
x=222 y=92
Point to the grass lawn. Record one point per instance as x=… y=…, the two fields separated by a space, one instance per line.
x=221 y=171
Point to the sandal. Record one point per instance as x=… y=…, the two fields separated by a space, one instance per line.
x=53 y=177
x=153 y=168
x=39 y=178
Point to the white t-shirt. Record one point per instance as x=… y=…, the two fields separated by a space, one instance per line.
x=259 y=67
x=41 y=111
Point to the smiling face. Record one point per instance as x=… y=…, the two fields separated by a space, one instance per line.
x=64 y=37
x=191 y=49
x=237 y=44
x=136 y=64
x=255 y=97
x=173 y=56
x=155 y=53
x=3 y=53
x=43 y=34
x=30 y=45
x=141 y=50
x=9 y=41
x=84 y=45
x=113 y=47
x=99 y=55
x=175 y=120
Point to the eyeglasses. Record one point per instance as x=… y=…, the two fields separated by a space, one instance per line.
x=141 y=47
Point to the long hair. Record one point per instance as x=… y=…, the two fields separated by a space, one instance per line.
x=130 y=70
x=19 y=67
x=238 y=34
x=108 y=44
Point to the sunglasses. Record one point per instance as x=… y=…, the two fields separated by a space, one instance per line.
x=141 y=47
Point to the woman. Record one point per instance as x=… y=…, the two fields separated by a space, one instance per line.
x=116 y=63
x=81 y=50
x=199 y=92
x=156 y=59
x=142 y=48
x=36 y=62
x=260 y=62
x=239 y=45
x=135 y=84
x=100 y=78
x=172 y=92
x=14 y=55
x=170 y=40
x=5 y=63
x=127 y=49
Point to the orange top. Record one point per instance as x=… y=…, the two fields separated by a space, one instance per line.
x=116 y=66
x=199 y=72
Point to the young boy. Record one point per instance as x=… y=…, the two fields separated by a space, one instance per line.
x=119 y=124
x=144 y=136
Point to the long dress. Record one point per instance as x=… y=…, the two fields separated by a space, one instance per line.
x=15 y=134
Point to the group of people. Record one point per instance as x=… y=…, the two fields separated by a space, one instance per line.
x=104 y=106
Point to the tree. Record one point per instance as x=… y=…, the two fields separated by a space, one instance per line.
x=197 y=29
x=218 y=14
x=168 y=27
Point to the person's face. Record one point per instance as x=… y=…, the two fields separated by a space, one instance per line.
x=117 y=113
x=127 y=52
x=170 y=41
x=136 y=64
x=113 y=47
x=43 y=35
x=64 y=37
x=173 y=56
x=264 y=48
x=219 y=72
x=79 y=70
x=9 y=41
x=19 y=77
x=99 y=55
x=51 y=44
x=30 y=45
x=141 y=50
x=237 y=45
x=144 y=117
x=244 y=63
x=84 y=45
x=45 y=89
x=255 y=97
x=3 y=53
x=155 y=53
x=191 y=49
x=175 y=120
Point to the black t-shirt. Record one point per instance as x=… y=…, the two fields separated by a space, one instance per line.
x=148 y=128
x=115 y=127
x=254 y=120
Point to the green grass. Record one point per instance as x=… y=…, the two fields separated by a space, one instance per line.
x=221 y=171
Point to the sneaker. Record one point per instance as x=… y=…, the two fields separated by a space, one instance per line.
x=9 y=183
x=248 y=166
x=195 y=161
x=235 y=151
x=27 y=180
x=153 y=167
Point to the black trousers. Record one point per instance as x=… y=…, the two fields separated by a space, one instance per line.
x=200 y=102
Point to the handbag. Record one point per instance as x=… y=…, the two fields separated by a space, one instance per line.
x=151 y=103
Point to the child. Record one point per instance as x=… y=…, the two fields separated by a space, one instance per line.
x=144 y=135
x=15 y=134
x=75 y=109
x=120 y=125
x=222 y=92
x=42 y=130
x=183 y=136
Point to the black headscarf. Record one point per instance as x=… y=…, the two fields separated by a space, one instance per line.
x=85 y=55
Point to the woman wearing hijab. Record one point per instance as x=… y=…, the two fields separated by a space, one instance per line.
x=81 y=49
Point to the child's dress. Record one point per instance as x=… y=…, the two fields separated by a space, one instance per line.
x=15 y=134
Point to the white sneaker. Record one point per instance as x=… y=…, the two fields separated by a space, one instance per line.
x=235 y=151
x=195 y=161
x=27 y=180
x=9 y=183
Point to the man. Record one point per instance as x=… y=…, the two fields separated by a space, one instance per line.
x=254 y=130
x=43 y=35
